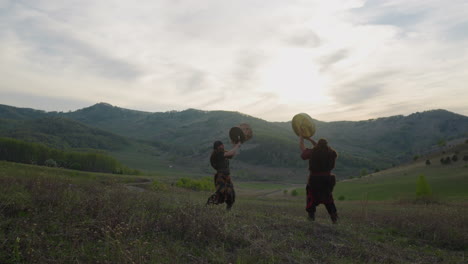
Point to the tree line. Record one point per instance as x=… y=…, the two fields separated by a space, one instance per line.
x=37 y=154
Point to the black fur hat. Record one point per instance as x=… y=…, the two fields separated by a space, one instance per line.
x=216 y=144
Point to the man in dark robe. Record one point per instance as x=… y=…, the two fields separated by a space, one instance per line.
x=321 y=181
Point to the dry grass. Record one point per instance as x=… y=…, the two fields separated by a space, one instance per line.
x=49 y=220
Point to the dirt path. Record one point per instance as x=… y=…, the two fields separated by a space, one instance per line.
x=136 y=186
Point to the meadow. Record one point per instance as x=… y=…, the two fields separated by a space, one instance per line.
x=51 y=215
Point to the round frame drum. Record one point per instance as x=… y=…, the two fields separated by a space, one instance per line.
x=302 y=124
x=240 y=133
x=247 y=131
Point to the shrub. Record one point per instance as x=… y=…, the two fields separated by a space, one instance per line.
x=442 y=143
x=455 y=158
x=285 y=192
x=204 y=184
x=294 y=192
x=158 y=186
x=422 y=187
x=50 y=163
x=428 y=162
x=363 y=172
x=341 y=198
x=448 y=160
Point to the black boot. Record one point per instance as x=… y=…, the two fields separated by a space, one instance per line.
x=311 y=216
x=334 y=218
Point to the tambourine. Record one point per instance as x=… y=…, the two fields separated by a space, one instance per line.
x=240 y=133
x=302 y=124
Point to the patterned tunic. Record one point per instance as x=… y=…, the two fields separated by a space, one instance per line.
x=222 y=180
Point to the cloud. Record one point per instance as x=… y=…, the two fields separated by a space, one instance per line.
x=46 y=103
x=336 y=59
x=458 y=32
x=329 y=60
x=55 y=45
x=362 y=89
x=306 y=38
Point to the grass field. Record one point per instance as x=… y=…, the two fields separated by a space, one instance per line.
x=448 y=182
x=62 y=216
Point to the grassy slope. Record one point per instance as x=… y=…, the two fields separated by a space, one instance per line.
x=18 y=170
x=399 y=183
x=446 y=181
x=62 y=216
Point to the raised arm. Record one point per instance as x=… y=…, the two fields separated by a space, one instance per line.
x=233 y=151
x=301 y=143
x=312 y=141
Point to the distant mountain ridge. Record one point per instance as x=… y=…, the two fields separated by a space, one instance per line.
x=188 y=135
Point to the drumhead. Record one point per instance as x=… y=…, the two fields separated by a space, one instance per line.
x=305 y=122
x=236 y=135
x=247 y=130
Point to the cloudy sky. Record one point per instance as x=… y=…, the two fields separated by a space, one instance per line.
x=334 y=59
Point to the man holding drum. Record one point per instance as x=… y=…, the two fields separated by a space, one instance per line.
x=321 y=182
x=321 y=162
x=220 y=162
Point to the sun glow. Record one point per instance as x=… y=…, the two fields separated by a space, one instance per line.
x=295 y=77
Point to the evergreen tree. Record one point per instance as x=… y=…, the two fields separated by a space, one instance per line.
x=422 y=187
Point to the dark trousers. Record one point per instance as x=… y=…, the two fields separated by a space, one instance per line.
x=331 y=208
x=319 y=191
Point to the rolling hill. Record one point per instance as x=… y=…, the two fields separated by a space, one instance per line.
x=447 y=181
x=62 y=133
x=184 y=138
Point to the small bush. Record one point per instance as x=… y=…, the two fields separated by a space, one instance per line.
x=341 y=198
x=363 y=172
x=50 y=163
x=447 y=160
x=294 y=192
x=204 y=184
x=428 y=162
x=158 y=186
x=422 y=187
x=285 y=192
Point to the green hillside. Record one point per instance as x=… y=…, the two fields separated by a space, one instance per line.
x=184 y=138
x=61 y=133
x=371 y=145
x=16 y=113
x=447 y=181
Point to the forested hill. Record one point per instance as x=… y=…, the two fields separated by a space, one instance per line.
x=399 y=136
x=371 y=144
x=55 y=131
